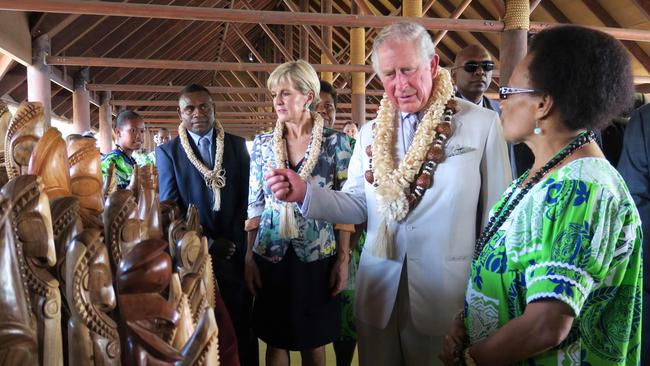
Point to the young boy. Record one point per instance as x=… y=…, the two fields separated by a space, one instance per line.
x=129 y=132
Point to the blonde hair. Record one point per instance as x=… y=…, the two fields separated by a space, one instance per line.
x=300 y=74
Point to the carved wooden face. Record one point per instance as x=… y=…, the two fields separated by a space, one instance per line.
x=35 y=231
x=100 y=280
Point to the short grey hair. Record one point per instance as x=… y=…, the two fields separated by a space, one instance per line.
x=300 y=74
x=404 y=32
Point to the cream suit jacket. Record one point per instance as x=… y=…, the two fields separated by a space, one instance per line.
x=437 y=238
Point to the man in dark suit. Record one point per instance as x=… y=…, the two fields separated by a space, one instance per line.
x=472 y=75
x=634 y=166
x=192 y=169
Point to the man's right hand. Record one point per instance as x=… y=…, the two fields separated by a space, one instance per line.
x=286 y=185
x=252 y=274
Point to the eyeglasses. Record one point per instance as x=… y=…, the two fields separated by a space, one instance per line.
x=504 y=91
x=472 y=66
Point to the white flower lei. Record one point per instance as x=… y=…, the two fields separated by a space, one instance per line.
x=393 y=183
x=215 y=179
x=288 y=224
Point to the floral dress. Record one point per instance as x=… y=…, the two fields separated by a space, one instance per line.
x=575 y=237
x=123 y=167
x=316 y=240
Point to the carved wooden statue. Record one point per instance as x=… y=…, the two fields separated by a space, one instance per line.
x=169 y=212
x=26 y=127
x=93 y=335
x=86 y=172
x=33 y=224
x=147 y=317
x=121 y=225
x=148 y=203
x=203 y=347
x=49 y=161
x=185 y=327
x=66 y=225
x=18 y=342
x=5 y=117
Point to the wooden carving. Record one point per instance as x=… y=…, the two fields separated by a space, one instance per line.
x=185 y=327
x=86 y=172
x=169 y=212
x=203 y=347
x=93 y=335
x=18 y=342
x=110 y=183
x=148 y=211
x=194 y=265
x=148 y=318
x=5 y=117
x=49 y=160
x=66 y=225
x=121 y=225
x=33 y=230
x=26 y=127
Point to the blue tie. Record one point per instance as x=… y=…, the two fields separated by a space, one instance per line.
x=410 y=125
x=204 y=149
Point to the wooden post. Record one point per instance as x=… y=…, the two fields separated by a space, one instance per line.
x=81 y=102
x=38 y=77
x=358 y=55
x=412 y=8
x=514 y=39
x=326 y=34
x=105 y=124
x=304 y=36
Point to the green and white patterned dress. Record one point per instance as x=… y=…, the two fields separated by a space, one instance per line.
x=575 y=237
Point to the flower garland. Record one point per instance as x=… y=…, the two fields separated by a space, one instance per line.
x=288 y=223
x=394 y=184
x=215 y=179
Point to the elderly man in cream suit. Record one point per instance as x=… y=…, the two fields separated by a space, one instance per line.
x=414 y=266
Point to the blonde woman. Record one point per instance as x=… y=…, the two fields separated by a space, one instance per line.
x=294 y=266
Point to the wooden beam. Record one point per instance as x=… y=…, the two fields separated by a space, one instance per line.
x=6 y=63
x=454 y=15
x=644 y=6
x=363 y=7
x=303 y=36
x=319 y=42
x=534 y=4
x=188 y=65
x=212 y=89
x=12 y=80
x=174 y=103
x=500 y=8
x=609 y=21
x=278 y=17
x=249 y=45
x=15 y=38
x=278 y=44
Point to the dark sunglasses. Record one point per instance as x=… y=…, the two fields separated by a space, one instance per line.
x=504 y=91
x=472 y=66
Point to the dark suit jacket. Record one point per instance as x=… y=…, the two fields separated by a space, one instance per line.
x=181 y=181
x=634 y=166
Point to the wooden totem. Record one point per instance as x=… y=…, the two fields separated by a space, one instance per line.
x=146 y=316
x=49 y=160
x=121 y=224
x=26 y=127
x=169 y=212
x=86 y=173
x=66 y=225
x=148 y=203
x=18 y=342
x=32 y=222
x=185 y=327
x=5 y=117
x=93 y=337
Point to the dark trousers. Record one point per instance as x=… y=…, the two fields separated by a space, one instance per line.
x=239 y=302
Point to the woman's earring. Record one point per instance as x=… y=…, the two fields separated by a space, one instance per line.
x=537 y=130
x=307 y=107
